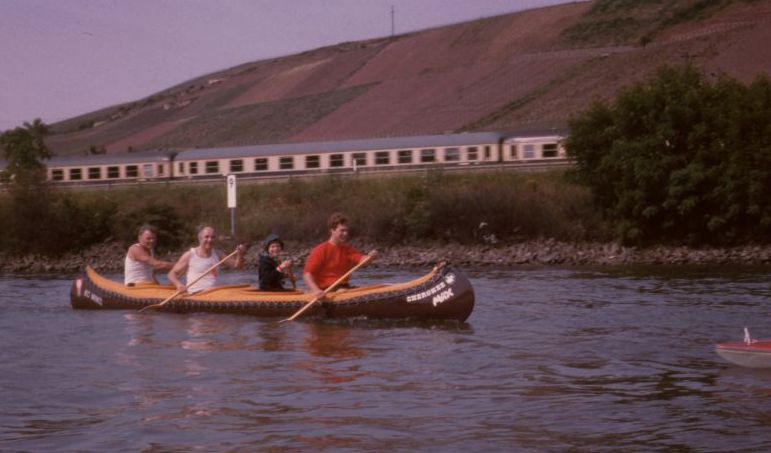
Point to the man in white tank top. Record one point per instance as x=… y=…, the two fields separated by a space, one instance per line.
x=199 y=259
x=140 y=264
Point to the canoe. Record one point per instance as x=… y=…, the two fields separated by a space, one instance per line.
x=755 y=354
x=443 y=293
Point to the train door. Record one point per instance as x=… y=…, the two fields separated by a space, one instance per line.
x=147 y=171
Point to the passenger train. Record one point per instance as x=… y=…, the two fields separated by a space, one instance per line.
x=280 y=161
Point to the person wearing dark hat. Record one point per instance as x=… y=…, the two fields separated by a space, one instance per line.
x=271 y=272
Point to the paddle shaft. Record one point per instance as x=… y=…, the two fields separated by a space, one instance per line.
x=168 y=299
x=330 y=288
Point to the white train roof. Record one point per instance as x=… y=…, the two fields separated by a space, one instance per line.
x=138 y=157
x=419 y=141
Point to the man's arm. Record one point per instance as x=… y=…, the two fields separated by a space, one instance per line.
x=311 y=283
x=138 y=253
x=372 y=254
x=236 y=262
x=180 y=267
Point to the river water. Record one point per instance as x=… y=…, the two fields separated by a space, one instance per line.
x=589 y=359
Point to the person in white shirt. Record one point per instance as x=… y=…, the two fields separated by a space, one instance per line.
x=199 y=259
x=140 y=264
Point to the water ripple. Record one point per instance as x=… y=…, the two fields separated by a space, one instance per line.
x=590 y=359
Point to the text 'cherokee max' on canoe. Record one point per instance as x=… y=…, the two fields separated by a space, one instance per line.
x=443 y=293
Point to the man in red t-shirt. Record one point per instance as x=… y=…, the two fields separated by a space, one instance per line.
x=331 y=259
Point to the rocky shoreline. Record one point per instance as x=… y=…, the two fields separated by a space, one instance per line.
x=108 y=257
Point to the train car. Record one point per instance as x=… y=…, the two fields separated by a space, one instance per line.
x=528 y=148
x=140 y=166
x=346 y=156
x=479 y=150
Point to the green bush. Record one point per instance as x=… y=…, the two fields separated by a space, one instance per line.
x=39 y=221
x=482 y=208
x=173 y=232
x=680 y=159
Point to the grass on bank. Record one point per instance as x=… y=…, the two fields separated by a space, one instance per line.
x=482 y=208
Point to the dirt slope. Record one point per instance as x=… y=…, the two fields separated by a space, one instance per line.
x=522 y=71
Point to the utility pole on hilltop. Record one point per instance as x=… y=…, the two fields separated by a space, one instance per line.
x=393 y=19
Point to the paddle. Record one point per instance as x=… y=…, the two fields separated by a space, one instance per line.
x=168 y=299
x=292 y=279
x=290 y=275
x=329 y=288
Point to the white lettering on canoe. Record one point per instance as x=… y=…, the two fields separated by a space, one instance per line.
x=427 y=293
x=94 y=297
x=443 y=296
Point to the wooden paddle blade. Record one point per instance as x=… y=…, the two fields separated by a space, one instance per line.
x=300 y=311
x=165 y=301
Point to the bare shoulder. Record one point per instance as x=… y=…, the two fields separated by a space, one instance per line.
x=184 y=259
x=137 y=252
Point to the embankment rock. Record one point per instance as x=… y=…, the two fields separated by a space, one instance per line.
x=109 y=257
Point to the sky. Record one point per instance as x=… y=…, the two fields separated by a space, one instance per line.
x=63 y=58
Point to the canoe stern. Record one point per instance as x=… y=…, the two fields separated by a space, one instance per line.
x=447 y=295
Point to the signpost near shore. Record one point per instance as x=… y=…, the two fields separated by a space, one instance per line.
x=232 y=203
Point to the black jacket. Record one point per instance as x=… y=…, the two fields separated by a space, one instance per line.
x=270 y=277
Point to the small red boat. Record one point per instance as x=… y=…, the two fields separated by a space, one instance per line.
x=749 y=353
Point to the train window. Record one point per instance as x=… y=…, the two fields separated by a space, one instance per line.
x=488 y=154
x=513 y=151
x=181 y=168
x=472 y=153
x=132 y=171
x=261 y=164
x=528 y=151
x=405 y=156
x=212 y=166
x=550 y=150
x=160 y=169
x=94 y=173
x=359 y=159
x=382 y=158
x=193 y=168
x=57 y=175
x=236 y=165
x=113 y=172
x=451 y=154
x=428 y=155
x=336 y=160
x=286 y=163
x=312 y=162
x=76 y=174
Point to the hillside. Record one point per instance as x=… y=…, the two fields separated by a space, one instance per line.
x=525 y=71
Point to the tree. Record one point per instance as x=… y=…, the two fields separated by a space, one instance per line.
x=24 y=150
x=35 y=219
x=680 y=159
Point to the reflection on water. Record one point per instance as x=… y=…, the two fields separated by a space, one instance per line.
x=334 y=342
x=551 y=359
